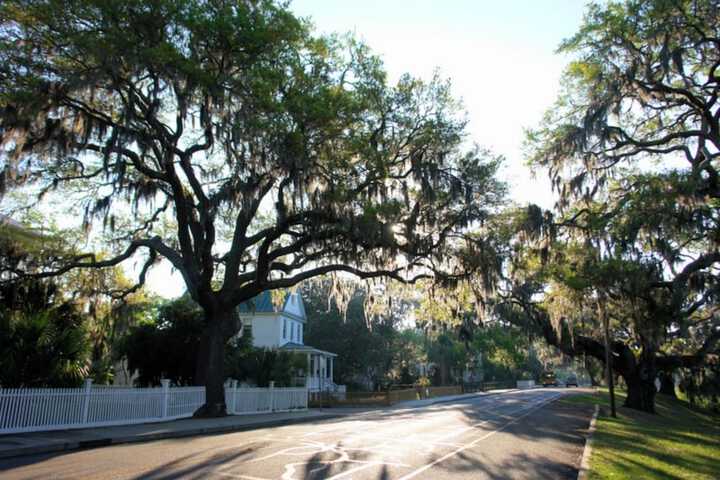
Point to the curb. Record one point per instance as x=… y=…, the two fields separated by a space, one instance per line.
x=107 y=441
x=585 y=462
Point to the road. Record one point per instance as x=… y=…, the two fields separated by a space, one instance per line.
x=523 y=434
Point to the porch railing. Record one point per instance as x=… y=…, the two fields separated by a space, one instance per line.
x=315 y=384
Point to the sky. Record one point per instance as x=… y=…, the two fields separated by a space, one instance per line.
x=499 y=55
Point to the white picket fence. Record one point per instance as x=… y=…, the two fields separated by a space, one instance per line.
x=242 y=401
x=43 y=409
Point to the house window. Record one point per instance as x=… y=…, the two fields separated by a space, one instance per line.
x=293 y=331
x=300 y=337
x=284 y=329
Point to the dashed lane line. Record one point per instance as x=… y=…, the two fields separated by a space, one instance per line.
x=420 y=470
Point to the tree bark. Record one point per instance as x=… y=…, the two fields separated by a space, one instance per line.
x=640 y=382
x=640 y=394
x=201 y=363
x=210 y=369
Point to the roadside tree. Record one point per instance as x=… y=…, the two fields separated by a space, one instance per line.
x=228 y=140
x=632 y=146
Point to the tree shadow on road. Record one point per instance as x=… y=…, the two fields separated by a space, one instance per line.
x=188 y=467
x=331 y=462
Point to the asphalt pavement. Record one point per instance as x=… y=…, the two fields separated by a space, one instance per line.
x=520 y=434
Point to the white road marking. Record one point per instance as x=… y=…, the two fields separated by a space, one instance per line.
x=240 y=476
x=420 y=470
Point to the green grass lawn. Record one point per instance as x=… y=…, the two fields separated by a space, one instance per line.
x=675 y=443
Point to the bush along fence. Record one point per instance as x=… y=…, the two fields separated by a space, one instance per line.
x=43 y=409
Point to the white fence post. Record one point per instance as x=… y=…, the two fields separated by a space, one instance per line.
x=165 y=382
x=234 y=395
x=86 y=399
x=272 y=396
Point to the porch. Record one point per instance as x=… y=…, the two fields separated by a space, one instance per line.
x=319 y=374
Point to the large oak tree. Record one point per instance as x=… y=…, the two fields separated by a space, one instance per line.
x=222 y=136
x=632 y=147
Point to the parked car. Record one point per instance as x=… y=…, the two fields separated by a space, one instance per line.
x=571 y=380
x=549 y=379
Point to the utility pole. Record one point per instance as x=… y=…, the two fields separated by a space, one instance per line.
x=608 y=354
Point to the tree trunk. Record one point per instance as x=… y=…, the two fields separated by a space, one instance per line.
x=641 y=388
x=210 y=369
x=667 y=384
x=638 y=374
x=590 y=369
x=640 y=395
x=201 y=363
x=443 y=373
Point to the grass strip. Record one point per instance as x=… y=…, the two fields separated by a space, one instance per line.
x=676 y=443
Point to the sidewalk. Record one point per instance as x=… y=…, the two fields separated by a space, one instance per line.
x=21 y=444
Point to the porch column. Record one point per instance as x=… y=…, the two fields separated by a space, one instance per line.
x=332 y=363
x=316 y=367
x=308 y=373
x=323 y=370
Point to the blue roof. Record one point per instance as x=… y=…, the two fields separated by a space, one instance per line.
x=260 y=304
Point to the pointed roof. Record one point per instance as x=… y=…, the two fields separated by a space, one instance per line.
x=292 y=307
x=259 y=304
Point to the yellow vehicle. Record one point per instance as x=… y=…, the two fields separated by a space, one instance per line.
x=548 y=379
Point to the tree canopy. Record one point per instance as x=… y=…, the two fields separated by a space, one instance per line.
x=631 y=147
x=229 y=140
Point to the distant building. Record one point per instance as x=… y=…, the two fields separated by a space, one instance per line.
x=283 y=329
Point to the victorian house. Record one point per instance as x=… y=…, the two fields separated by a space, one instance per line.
x=283 y=329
